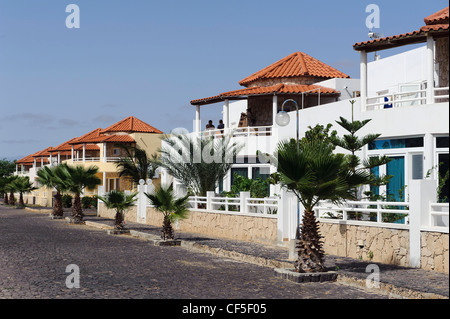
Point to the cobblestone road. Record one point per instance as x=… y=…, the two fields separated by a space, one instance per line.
x=35 y=251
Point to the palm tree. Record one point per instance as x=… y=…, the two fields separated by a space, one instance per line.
x=9 y=187
x=22 y=185
x=79 y=178
x=121 y=203
x=172 y=208
x=54 y=177
x=199 y=163
x=3 y=191
x=136 y=165
x=313 y=173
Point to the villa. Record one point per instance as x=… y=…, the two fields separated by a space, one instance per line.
x=405 y=95
x=98 y=147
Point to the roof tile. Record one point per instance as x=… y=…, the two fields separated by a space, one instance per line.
x=295 y=65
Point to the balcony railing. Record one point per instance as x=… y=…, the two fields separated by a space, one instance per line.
x=240 y=131
x=408 y=98
x=96 y=159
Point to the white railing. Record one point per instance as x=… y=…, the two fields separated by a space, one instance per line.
x=226 y=204
x=262 y=205
x=439 y=215
x=396 y=100
x=87 y=159
x=197 y=202
x=440 y=97
x=366 y=212
x=240 y=131
x=244 y=205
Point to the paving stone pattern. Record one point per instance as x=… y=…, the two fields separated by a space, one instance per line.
x=35 y=251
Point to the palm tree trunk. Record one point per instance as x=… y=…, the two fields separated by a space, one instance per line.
x=167 y=230
x=58 y=208
x=310 y=252
x=21 y=202
x=119 y=220
x=12 y=199
x=5 y=199
x=77 y=210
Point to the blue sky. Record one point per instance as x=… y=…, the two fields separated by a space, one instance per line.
x=150 y=58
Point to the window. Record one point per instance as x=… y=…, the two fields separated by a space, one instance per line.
x=442 y=141
x=396 y=143
x=417 y=166
x=116 y=151
x=241 y=171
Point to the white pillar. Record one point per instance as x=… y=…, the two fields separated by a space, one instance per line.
x=59 y=157
x=209 y=196
x=84 y=152
x=197 y=119
x=430 y=70
x=72 y=154
x=363 y=81
x=422 y=192
x=104 y=182
x=428 y=143
x=226 y=114
x=243 y=202
x=274 y=109
x=104 y=153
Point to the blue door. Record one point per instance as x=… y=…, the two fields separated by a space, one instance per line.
x=395 y=189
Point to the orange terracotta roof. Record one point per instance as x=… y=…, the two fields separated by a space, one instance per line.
x=26 y=160
x=436 y=24
x=440 y=17
x=64 y=146
x=45 y=152
x=91 y=134
x=267 y=90
x=107 y=139
x=132 y=124
x=296 y=64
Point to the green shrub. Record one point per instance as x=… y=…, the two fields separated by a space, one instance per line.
x=88 y=202
x=67 y=201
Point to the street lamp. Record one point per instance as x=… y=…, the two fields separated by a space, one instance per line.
x=282 y=119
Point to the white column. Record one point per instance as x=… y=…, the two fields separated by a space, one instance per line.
x=363 y=81
x=274 y=109
x=84 y=152
x=59 y=157
x=51 y=159
x=422 y=192
x=17 y=169
x=430 y=70
x=104 y=182
x=226 y=114
x=72 y=154
x=243 y=201
x=197 y=119
x=428 y=143
x=104 y=153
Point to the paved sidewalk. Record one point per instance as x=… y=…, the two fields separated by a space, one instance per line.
x=395 y=281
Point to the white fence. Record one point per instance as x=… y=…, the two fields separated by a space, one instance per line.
x=439 y=215
x=376 y=213
x=407 y=98
x=240 y=131
x=244 y=204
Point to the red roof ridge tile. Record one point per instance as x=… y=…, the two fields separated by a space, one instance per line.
x=296 y=64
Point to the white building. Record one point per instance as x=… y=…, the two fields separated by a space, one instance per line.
x=393 y=92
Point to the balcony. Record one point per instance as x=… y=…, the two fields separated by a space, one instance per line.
x=407 y=98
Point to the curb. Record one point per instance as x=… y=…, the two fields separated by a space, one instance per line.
x=390 y=290
x=39 y=210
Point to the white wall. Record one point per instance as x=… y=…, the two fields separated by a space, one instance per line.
x=345 y=86
x=235 y=110
x=389 y=72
